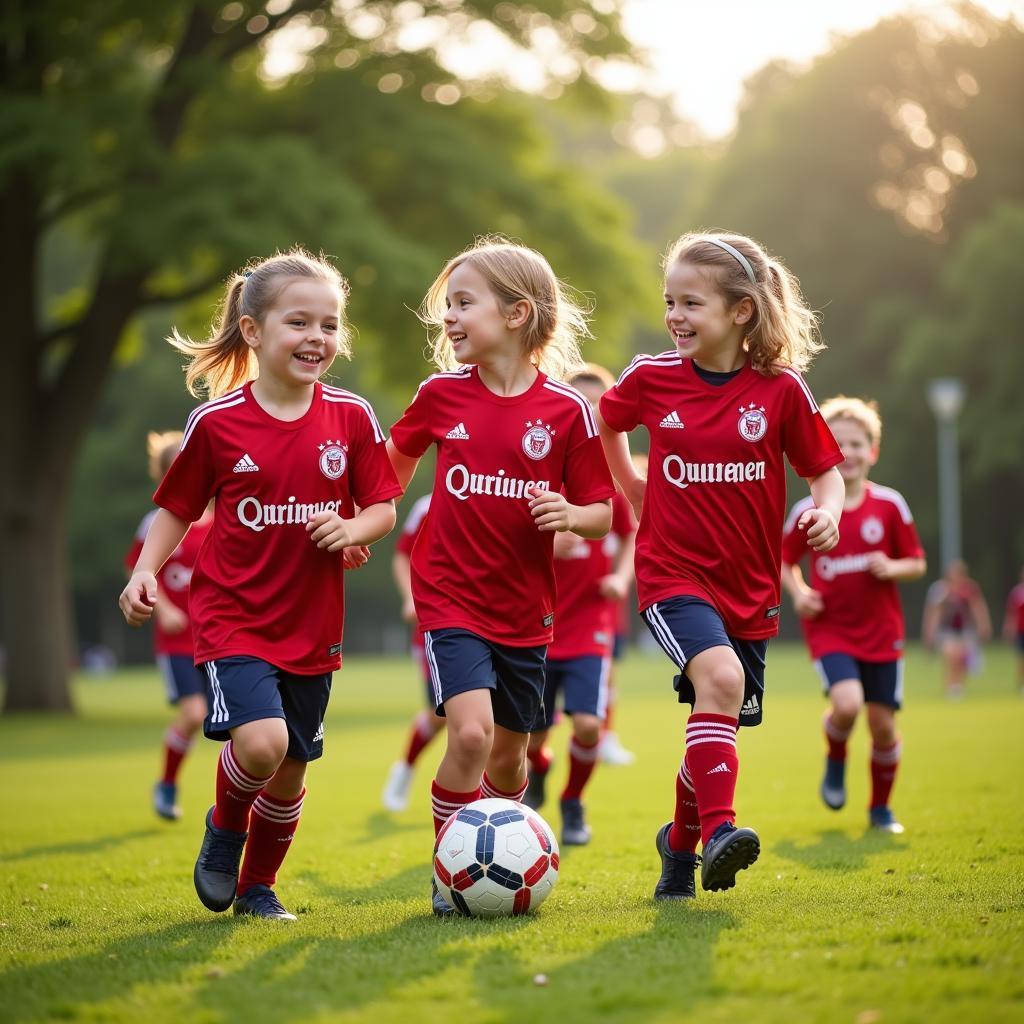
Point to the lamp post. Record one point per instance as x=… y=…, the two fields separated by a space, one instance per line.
x=946 y=398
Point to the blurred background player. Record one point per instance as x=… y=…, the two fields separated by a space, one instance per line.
x=172 y=632
x=1013 y=627
x=427 y=724
x=956 y=621
x=592 y=578
x=850 y=610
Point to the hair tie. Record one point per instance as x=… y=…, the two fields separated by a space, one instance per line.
x=736 y=254
x=247 y=274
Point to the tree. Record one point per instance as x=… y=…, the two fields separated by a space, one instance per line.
x=145 y=153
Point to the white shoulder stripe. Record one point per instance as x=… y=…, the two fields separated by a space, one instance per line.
x=796 y=512
x=661 y=359
x=570 y=392
x=417 y=514
x=340 y=397
x=888 y=494
x=462 y=374
x=803 y=387
x=216 y=405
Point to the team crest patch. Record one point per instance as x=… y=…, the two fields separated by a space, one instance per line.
x=753 y=424
x=872 y=530
x=332 y=459
x=537 y=439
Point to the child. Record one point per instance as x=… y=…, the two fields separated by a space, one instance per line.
x=285 y=457
x=518 y=459
x=592 y=577
x=721 y=410
x=956 y=619
x=850 y=610
x=427 y=724
x=172 y=632
x=1013 y=627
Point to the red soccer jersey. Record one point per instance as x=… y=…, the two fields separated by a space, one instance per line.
x=261 y=587
x=862 y=615
x=1015 y=606
x=406 y=542
x=480 y=563
x=716 y=486
x=585 y=621
x=172 y=581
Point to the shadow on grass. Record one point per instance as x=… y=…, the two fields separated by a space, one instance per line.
x=382 y=824
x=834 y=849
x=99 y=844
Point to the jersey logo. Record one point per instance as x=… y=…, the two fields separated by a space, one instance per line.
x=672 y=421
x=332 y=459
x=245 y=465
x=458 y=433
x=753 y=424
x=751 y=707
x=537 y=439
x=872 y=530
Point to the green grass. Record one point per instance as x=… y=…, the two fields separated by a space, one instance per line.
x=99 y=922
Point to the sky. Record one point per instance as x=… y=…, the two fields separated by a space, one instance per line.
x=700 y=52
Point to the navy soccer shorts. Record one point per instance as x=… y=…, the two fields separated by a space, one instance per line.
x=583 y=683
x=242 y=689
x=882 y=681
x=686 y=626
x=181 y=677
x=459 y=661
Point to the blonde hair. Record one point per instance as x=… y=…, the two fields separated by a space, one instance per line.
x=557 y=323
x=161 y=449
x=784 y=329
x=592 y=373
x=224 y=361
x=863 y=413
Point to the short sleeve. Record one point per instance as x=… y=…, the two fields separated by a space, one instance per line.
x=906 y=543
x=372 y=478
x=412 y=434
x=191 y=480
x=794 y=542
x=587 y=478
x=806 y=437
x=620 y=404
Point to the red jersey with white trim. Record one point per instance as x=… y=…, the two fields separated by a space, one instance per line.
x=585 y=620
x=1015 y=606
x=172 y=581
x=261 y=587
x=862 y=615
x=716 y=488
x=406 y=542
x=480 y=563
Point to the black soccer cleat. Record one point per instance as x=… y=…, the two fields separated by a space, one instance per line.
x=216 y=871
x=261 y=901
x=534 y=795
x=438 y=904
x=575 y=830
x=833 y=785
x=677 y=870
x=726 y=853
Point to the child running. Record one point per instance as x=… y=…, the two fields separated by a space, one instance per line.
x=518 y=459
x=956 y=622
x=172 y=632
x=428 y=723
x=721 y=410
x=286 y=458
x=1013 y=627
x=592 y=578
x=850 y=607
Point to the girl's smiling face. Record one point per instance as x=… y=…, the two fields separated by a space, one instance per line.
x=475 y=323
x=702 y=326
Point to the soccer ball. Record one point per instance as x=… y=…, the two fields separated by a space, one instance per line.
x=494 y=858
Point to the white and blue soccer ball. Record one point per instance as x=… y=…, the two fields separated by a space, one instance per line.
x=495 y=858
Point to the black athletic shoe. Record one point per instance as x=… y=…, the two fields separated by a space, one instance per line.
x=833 y=785
x=575 y=830
x=727 y=852
x=261 y=901
x=440 y=906
x=216 y=871
x=534 y=795
x=677 y=870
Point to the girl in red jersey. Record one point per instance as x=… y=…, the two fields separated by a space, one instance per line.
x=172 y=632
x=287 y=459
x=518 y=459
x=850 y=608
x=722 y=409
x=956 y=622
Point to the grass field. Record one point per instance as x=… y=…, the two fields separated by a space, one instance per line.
x=99 y=921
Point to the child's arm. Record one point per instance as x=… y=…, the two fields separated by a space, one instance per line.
x=822 y=521
x=139 y=596
x=403 y=465
x=551 y=511
x=882 y=567
x=401 y=570
x=615 y=586
x=807 y=602
x=329 y=531
x=979 y=609
x=616 y=451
